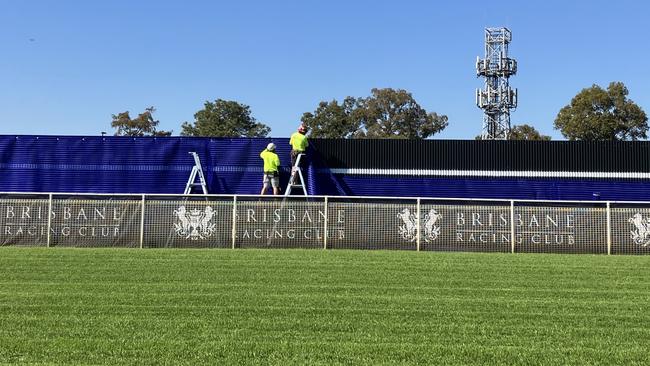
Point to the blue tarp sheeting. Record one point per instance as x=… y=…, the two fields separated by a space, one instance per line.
x=508 y=188
x=131 y=165
x=232 y=166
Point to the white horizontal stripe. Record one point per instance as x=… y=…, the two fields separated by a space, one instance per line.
x=491 y=173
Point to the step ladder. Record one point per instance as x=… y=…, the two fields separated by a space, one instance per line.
x=197 y=170
x=296 y=171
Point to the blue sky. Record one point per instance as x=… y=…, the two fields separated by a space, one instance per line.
x=66 y=66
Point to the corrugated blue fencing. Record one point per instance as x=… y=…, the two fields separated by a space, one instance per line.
x=232 y=166
x=487 y=187
x=131 y=165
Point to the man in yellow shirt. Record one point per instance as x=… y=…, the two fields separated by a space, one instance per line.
x=299 y=143
x=271 y=174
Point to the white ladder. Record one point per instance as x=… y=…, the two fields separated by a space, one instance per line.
x=296 y=171
x=196 y=170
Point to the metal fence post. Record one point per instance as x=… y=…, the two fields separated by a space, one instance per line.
x=142 y=222
x=609 y=228
x=325 y=233
x=417 y=215
x=512 y=227
x=234 y=220
x=49 y=220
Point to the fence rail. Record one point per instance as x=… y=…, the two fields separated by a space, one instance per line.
x=327 y=222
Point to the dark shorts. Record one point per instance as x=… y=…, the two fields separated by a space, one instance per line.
x=294 y=157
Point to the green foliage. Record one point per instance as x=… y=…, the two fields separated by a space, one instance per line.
x=316 y=307
x=224 y=118
x=387 y=113
x=143 y=125
x=334 y=120
x=526 y=132
x=394 y=113
x=598 y=114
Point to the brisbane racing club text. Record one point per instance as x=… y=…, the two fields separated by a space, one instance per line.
x=546 y=229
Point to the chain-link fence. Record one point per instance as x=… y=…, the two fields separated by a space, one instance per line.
x=279 y=222
x=95 y=221
x=372 y=223
x=187 y=222
x=467 y=226
x=548 y=227
x=419 y=224
x=23 y=219
x=630 y=228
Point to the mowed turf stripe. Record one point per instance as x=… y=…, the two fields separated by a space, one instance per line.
x=108 y=306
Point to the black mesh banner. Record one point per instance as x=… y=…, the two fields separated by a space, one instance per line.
x=205 y=221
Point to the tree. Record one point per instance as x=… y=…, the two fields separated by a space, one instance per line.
x=526 y=132
x=387 y=113
x=224 y=118
x=598 y=114
x=143 y=125
x=334 y=120
x=394 y=113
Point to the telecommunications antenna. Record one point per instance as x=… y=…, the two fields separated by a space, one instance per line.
x=496 y=99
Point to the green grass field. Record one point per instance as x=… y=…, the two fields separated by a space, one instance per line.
x=223 y=307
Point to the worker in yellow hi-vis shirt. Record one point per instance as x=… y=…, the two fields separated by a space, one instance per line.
x=299 y=143
x=271 y=173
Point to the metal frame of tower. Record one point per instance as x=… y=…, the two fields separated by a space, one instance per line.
x=497 y=98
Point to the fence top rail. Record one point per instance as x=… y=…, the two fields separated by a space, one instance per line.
x=410 y=198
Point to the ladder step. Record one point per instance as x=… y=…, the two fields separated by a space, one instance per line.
x=296 y=173
x=197 y=170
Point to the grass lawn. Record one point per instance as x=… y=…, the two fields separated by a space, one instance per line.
x=222 y=307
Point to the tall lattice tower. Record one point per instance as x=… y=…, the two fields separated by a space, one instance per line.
x=497 y=98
